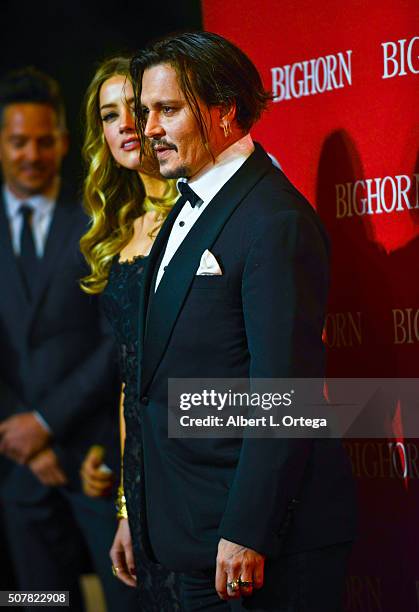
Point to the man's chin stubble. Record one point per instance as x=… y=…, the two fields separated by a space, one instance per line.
x=176 y=173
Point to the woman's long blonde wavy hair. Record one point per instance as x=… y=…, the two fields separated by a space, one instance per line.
x=113 y=196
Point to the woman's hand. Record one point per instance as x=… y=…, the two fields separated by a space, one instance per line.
x=96 y=478
x=122 y=555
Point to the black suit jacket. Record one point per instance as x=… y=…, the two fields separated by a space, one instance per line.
x=262 y=318
x=57 y=356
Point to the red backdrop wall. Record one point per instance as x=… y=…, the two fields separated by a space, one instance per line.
x=344 y=127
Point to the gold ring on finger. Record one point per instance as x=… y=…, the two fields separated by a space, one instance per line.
x=115 y=570
x=234 y=585
x=246 y=584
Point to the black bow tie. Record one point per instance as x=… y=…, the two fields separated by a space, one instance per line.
x=188 y=194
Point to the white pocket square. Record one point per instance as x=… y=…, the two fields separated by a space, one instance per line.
x=208 y=265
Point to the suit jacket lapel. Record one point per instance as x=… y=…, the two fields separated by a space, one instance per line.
x=174 y=286
x=149 y=275
x=59 y=234
x=9 y=268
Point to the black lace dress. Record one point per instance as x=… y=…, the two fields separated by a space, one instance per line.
x=157 y=587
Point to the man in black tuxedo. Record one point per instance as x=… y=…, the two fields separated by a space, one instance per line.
x=57 y=368
x=236 y=287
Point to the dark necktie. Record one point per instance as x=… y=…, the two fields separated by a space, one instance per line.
x=188 y=194
x=28 y=258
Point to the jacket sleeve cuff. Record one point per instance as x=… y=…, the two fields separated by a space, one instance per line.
x=264 y=543
x=42 y=421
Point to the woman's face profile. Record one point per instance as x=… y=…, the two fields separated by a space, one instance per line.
x=116 y=101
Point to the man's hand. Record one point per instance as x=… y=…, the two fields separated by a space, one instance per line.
x=122 y=555
x=237 y=563
x=22 y=436
x=46 y=467
x=95 y=481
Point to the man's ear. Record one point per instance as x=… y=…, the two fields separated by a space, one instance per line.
x=227 y=116
x=227 y=113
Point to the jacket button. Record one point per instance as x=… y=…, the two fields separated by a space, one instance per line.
x=144 y=400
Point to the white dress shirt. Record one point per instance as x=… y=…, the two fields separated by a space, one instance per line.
x=206 y=184
x=43 y=210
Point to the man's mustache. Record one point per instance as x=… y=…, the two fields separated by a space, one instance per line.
x=163 y=143
x=32 y=166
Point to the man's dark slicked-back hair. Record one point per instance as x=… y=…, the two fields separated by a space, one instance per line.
x=209 y=68
x=31 y=86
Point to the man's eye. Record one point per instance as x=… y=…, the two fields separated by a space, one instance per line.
x=108 y=117
x=18 y=143
x=144 y=111
x=167 y=110
x=47 y=142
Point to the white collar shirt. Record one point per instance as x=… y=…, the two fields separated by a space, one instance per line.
x=43 y=209
x=206 y=185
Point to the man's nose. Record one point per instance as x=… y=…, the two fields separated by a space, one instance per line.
x=32 y=151
x=153 y=128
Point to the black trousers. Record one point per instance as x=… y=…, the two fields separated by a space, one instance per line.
x=7 y=577
x=51 y=538
x=311 y=581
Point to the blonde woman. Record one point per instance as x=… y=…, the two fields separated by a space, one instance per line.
x=127 y=205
